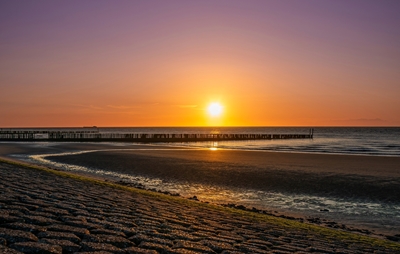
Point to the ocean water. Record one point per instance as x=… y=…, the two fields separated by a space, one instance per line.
x=379 y=141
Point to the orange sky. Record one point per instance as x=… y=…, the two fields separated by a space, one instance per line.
x=161 y=63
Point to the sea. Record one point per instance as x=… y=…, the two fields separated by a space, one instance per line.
x=377 y=141
x=368 y=141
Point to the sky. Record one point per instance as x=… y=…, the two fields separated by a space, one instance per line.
x=161 y=63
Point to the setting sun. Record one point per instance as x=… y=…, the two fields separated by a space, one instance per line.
x=199 y=63
x=215 y=109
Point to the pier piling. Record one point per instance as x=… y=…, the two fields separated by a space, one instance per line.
x=96 y=136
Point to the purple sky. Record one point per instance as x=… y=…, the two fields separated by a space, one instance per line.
x=149 y=63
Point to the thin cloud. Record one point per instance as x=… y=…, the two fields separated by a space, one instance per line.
x=186 y=106
x=121 y=107
x=379 y=120
x=87 y=106
x=363 y=121
x=370 y=120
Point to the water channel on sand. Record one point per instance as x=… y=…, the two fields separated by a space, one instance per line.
x=164 y=173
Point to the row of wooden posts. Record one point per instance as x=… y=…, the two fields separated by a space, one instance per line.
x=82 y=136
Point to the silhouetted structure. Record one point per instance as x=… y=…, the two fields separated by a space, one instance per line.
x=96 y=136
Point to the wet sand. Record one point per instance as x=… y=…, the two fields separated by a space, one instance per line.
x=350 y=177
x=344 y=176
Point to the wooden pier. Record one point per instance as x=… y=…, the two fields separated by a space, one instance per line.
x=95 y=136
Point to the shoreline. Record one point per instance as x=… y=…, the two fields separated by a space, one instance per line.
x=175 y=147
x=286 y=228
x=276 y=151
x=29 y=148
x=275 y=212
x=243 y=167
x=5 y=152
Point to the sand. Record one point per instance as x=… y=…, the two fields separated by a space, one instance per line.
x=350 y=177
x=343 y=176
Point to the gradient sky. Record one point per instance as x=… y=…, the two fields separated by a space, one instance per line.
x=160 y=63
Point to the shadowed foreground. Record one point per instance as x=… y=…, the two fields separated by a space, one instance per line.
x=43 y=212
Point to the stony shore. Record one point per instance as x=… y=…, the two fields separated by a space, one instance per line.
x=45 y=211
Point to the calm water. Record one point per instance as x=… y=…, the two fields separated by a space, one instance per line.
x=343 y=140
x=383 y=141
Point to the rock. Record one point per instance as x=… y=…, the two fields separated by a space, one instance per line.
x=136 y=250
x=6 y=250
x=38 y=220
x=26 y=227
x=13 y=236
x=103 y=231
x=36 y=247
x=80 y=232
x=67 y=246
x=89 y=246
x=6 y=218
x=241 y=207
x=117 y=241
x=393 y=238
x=217 y=246
x=154 y=246
x=60 y=236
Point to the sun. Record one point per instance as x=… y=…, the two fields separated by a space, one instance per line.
x=215 y=109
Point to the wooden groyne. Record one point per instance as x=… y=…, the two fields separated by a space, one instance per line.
x=95 y=136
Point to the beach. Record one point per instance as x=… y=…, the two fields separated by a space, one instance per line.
x=368 y=177
x=50 y=211
x=357 y=192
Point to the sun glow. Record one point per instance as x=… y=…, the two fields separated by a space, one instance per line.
x=215 y=109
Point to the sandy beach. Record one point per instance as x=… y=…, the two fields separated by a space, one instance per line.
x=352 y=180
x=50 y=211
x=365 y=176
